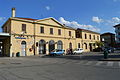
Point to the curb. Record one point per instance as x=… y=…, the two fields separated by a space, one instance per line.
x=110 y=59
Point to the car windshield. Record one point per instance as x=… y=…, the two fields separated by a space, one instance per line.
x=78 y=49
x=57 y=50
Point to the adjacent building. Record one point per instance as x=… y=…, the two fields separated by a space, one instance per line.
x=117 y=31
x=33 y=36
x=86 y=39
x=108 y=39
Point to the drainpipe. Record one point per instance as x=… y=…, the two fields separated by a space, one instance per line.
x=34 y=37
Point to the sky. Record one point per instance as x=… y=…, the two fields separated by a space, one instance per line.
x=96 y=15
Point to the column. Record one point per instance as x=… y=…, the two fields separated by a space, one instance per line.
x=55 y=46
x=47 y=49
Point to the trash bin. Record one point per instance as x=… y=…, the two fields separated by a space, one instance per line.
x=105 y=54
x=18 y=54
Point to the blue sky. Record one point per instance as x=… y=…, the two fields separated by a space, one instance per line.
x=95 y=15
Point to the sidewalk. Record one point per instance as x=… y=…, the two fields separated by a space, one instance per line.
x=112 y=57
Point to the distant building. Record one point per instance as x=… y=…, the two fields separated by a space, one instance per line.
x=117 y=31
x=108 y=39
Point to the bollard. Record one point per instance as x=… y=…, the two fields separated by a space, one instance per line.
x=105 y=54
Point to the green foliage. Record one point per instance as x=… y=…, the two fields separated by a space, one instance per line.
x=99 y=44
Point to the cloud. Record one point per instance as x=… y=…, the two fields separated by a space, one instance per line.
x=75 y=24
x=47 y=8
x=116 y=19
x=97 y=19
x=2 y=19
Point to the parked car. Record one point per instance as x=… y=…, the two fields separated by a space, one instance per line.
x=78 y=51
x=98 y=49
x=110 y=49
x=57 y=52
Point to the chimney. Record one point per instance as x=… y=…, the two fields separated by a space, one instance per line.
x=13 y=12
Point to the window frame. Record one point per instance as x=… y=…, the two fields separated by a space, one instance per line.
x=70 y=33
x=42 y=29
x=59 y=31
x=85 y=36
x=24 y=28
x=51 y=31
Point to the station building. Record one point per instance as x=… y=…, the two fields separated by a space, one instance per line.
x=34 y=37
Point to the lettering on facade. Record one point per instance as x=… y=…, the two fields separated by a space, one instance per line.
x=20 y=38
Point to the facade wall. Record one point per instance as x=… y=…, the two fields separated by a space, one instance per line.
x=87 y=43
x=16 y=45
x=16 y=27
x=32 y=37
x=28 y=37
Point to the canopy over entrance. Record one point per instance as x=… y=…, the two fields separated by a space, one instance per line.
x=4 y=44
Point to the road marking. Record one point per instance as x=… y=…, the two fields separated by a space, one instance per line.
x=88 y=63
x=99 y=63
x=110 y=64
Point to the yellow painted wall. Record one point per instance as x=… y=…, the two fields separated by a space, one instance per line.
x=16 y=30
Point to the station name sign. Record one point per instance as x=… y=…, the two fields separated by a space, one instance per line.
x=20 y=38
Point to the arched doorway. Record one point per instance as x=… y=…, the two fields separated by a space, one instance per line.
x=23 y=48
x=70 y=45
x=42 y=47
x=85 y=45
x=51 y=45
x=59 y=45
x=90 y=44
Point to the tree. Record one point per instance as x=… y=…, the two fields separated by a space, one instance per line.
x=99 y=44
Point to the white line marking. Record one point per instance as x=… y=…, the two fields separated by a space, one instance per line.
x=110 y=63
x=99 y=63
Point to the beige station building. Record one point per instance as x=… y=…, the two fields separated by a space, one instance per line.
x=34 y=37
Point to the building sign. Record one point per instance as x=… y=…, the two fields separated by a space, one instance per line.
x=20 y=38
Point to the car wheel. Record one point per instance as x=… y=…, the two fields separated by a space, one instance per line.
x=75 y=53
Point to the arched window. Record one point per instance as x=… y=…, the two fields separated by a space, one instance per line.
x=41 y=42
x=23 y=42
x=59 y=45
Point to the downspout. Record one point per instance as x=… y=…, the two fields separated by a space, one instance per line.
x=34 y=37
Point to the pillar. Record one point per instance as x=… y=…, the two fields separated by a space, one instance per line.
x=47 y=49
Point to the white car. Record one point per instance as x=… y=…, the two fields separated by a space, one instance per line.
x=77 y=51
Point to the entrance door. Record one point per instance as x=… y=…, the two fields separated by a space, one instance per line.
x=51 y=45
x=59 y=45
x=42 y=47
x=90 y=46
x=23 y=48
x=70 y=45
